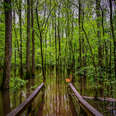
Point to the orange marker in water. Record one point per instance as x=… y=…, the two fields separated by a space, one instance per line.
x=68 y=80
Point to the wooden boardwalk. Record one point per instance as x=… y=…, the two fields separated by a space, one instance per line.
x=56 y=101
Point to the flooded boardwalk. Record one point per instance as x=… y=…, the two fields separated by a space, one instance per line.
x=56 y=100
x=53 y=100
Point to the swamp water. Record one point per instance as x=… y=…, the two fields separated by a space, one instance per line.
x=54 y=100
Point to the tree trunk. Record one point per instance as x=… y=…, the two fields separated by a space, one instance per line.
x=20 y=23
x=55 y=36
x=8 y=43
x=113 y=35
x=15 y=52
x=28 y=41
x=59 y=42
x=33 y=41
x=80 y=30
x=41 y=45
x=100 y=49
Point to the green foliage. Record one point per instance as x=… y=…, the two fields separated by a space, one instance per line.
x=67 y=40
x=17 y=83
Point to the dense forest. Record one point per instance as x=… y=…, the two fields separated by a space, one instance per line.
x=75 y=40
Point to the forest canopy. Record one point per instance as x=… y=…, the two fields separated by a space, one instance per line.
x=76 y=36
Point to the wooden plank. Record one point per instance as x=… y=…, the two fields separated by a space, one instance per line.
x=100 y=98
x=22 y=106
x=91 y=109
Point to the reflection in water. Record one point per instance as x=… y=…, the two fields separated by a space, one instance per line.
x=77 y=109
x=72 y=106
x=12 y=98
x=40 y=111
x=56 y=98
x=87 y=88
x=28 y=92
x=4 y=103
x=107 y=108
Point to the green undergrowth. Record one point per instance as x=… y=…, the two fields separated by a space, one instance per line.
x=17 y=83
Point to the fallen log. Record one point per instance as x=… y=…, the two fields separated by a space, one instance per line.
x=91 y=109
x=22 y=106
x=100 y=98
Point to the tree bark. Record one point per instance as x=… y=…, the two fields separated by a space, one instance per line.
x=28 y=41
x=15 y=52
x=113 y=35
x=41 y=45
x=20 y=23
x=80 y=31
x=33 y=40
x=55 y=37
x=8 y=43
x=100 y=49
x=59 y=42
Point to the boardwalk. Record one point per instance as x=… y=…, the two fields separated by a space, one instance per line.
x=53 y=98
x=56 y=100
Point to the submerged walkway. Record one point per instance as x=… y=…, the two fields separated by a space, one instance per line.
x=56 y=100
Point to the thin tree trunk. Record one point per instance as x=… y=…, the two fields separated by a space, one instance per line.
x=59 y=42
x=79 y=22
x=15 y=52
x=45 y=38
x=41 y=45
x=100 y=49
x=113 y=35
x=33 y=41
x=55 y=36
x=28 y=41
x=20 y=23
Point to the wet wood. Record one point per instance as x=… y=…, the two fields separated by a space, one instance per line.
x=22 y=106
x=100 y=98
x=91 y=109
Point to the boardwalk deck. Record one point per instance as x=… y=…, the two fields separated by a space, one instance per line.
x=56 y=100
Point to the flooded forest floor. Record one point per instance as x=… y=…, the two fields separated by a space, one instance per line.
x=54 y=100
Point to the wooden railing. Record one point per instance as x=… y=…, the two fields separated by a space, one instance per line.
x=22 y=106
x=84 y=103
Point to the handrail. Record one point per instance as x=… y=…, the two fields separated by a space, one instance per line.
x=90 y=108
x=108 y=99
x=21 y=107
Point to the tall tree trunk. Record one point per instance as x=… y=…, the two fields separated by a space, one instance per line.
x=8 y=43
x=28 y=41
x=41 y=45
x=33 y=41
x=15 y=52
x=20 y=23
x=82 y=58
x=100 y=48
x=45 y=38
x=113 y=35
x=59 y=41
x=55 y=36
x=80 y=31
